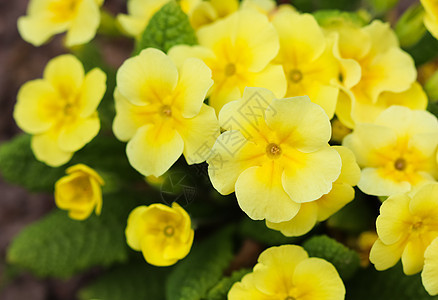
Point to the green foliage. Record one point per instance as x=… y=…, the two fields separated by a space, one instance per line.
x=346 y=261
x=60 y=247
x=130 y=282
x=328 y=18
x=170 y=26
x=257 y=230
x=220 y=290
x=313 y=5
x=410 y=26
x=193 y=277
x=19 y=166
x=389 y=284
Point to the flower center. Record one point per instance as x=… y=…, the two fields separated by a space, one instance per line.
x=289 y=298
x=169 y=231
x=63 y=10
x=295 y=75
x=166 y=111
x=230 y=69
x=400 y=164
x=417 y=226
x=273 y=150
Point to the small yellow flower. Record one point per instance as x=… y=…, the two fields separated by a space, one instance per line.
x=141 y=11
x=307 y=59
x=60 y=109
x=430 y=271
x=431 y=17
x=208 y=11
x=273 y=161
x=406 y=226
x=45 y=18
x=162 y=233
x=221 y=46
x=287 y=273
x=376 y=73
x=321 y=209
x=396 y=152
x=160 y=111
x=79 y=192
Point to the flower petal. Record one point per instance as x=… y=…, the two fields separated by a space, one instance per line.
x=350 y=171
x=338 y=197
x=83 y=28
x=38 y=29
x=413 y=256
x=154 y=149
x=430 y=270
x=374 y=182
x=260 y=194
x=383 y=256
x=92 y=91
x=310 y=175
x=424 y=203
x=73 y=136
x=65 y=73
x=46 y=149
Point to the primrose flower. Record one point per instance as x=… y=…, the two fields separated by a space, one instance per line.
x=286 y=272
x=430 y=270
x=141 y=11
x=307 y=59
x=274 y=154
x=162 y=233
x=431 y=17
x=160 y=111
x=45 y=18
x=319 y=210
x=60 y=109
x=406 y=226
x=396 y=152
x=79 y=192
x=376 y=73
x=209 y=11
x=222 y=44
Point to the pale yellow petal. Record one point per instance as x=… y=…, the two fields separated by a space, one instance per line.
x=344 y=108
x=193 y=85
x=414 y=98
x=384 y=257
x=309 y=176
x=299 y=225
x=231 y=155
x=261 y=195
x=308 y=130
x=154 y=149
x=350 y=171
x=152 y=247
x=375 y=182
x=383 y=38
x=39 y=29
x=315 y=278
x=246 y=289
x=92 y=91
x=74 y=136
x=65 y=73
x=413 y=256
x=180 y=53
x=46 y=149
x=149 y=77
x=272 y=78
x=429 y=275
x=338 y=197
x=424 y=203
x=199 y=134
x=84 y=26
x=34 y=111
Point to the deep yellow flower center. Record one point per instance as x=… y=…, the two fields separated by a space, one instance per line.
x=289 y=298
x=63 y=10
x=273 y=150
x=166 y=111
x=169 y=231
x=295 y=75
x=230 y=69
x=417 y=226
x=400 y=164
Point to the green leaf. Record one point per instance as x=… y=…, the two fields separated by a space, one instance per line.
x=19 y=166
x=58 y=246
x=257 y=231
x=220 y=290
x=169 y=26
x=193 y=277
x=313 y=5
x=329 y=18
x=346 y=261
x=130 y=282
x=389 y=284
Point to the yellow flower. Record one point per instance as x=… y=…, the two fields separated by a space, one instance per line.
x=222 y=44
x=430 y=271
x=162 y=233
x=407 y=225
x=207 y=12
x=286 y=272
x=45 y=18
x=160 y=111
x=431 y=17
x=319 y=210
x=273 y=161
x=307 y=59
x=79 y=192
x=60 y=109
x=141 y=11
x=396 y=152
x=376 y=73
